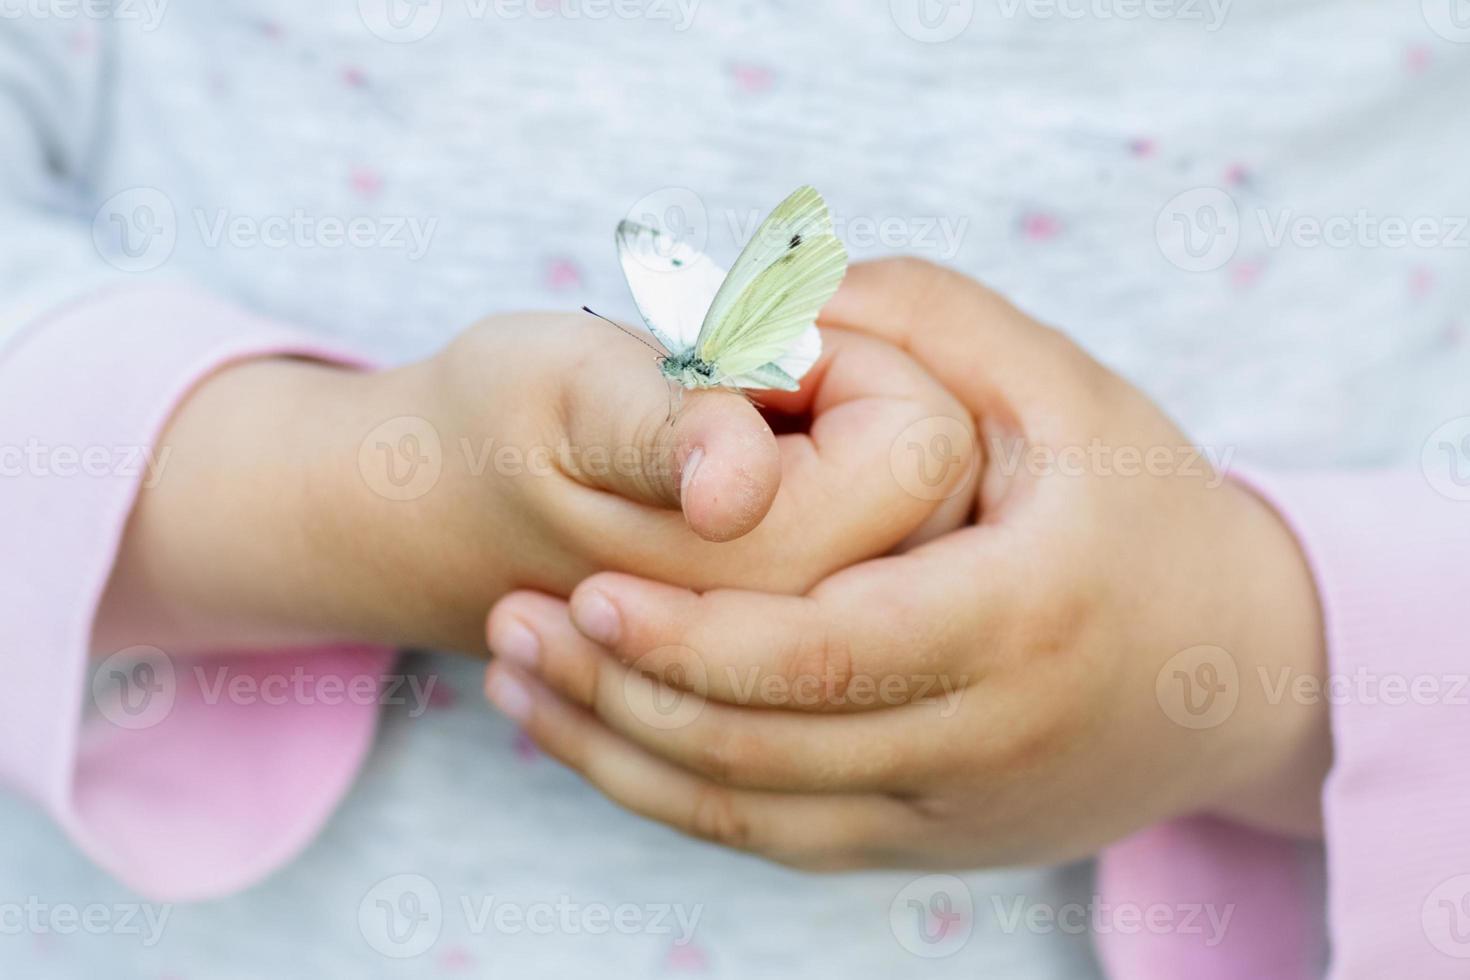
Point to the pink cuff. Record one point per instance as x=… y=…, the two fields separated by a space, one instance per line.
x=1391 y=557
x=179 y=788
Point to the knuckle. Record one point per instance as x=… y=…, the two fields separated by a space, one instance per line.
x=717 y=816
x=720 y=757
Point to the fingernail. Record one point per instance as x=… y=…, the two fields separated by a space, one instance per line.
x=595 y=615
x=691 y=465
x=508 y=694
x=514 y=641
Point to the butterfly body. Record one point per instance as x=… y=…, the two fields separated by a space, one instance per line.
x=756 y=326
x=688 y=369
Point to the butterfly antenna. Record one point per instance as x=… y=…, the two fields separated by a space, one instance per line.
x=657 y=350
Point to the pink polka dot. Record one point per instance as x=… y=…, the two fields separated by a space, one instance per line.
x=562 y=275
x=753 y=79
x=366 y=182
x=354 y=77
x=1421 y=282
x=81 y=41
x=1246 y=273
x=1040 y=226
x=1454 y=334
x=1418 y=58
x=456 y=959
x=1237 y=174
x=1142 y=147
x=688 y=958
x=272 y=30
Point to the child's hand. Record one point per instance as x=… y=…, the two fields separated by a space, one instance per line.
x=302 y=501
x=1007 y=693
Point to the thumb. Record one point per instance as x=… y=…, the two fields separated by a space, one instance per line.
x=715 y=459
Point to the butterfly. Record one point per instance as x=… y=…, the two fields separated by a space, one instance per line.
x=756 y=325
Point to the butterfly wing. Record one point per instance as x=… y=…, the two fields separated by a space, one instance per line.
x=672 y=284
x=765 y=311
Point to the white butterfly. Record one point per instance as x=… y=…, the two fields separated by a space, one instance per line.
x=756 y=326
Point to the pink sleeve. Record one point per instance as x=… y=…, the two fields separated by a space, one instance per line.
x=179 y=790
x=1391 y=556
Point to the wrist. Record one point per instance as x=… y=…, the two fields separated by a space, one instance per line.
x=1279 y=737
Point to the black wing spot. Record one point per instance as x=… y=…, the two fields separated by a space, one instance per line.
x=795 y=241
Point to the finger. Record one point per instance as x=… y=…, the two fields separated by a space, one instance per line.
x=977 y=344
x=670 y=713
x=814 y=832
x=708 y=453
x=532 y=631
x=843 y=496
x=910 y=628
